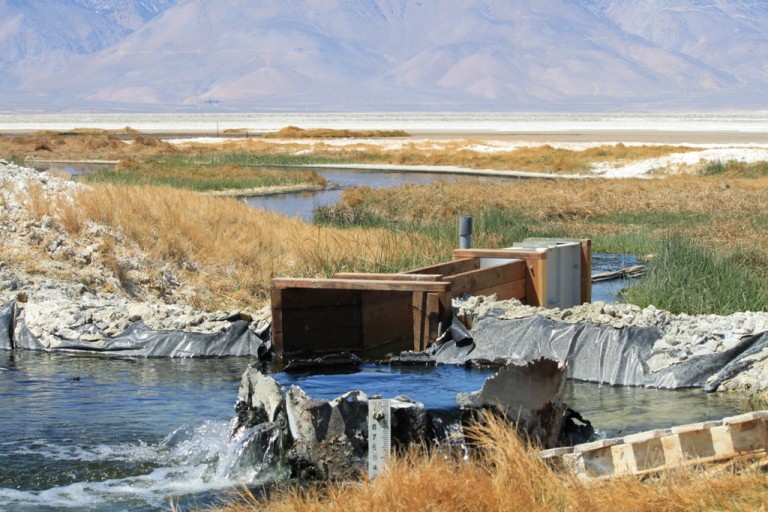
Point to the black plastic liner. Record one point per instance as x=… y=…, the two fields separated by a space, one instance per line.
x=593 y=353
x=7 y=322
x=138 y=340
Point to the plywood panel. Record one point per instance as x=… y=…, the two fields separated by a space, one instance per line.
x=586 y=271
x=387 y=317
x=300 y=298
x=469 y=282
x=387 y=277
x=499 y=253
x=360 y=284
x=450 y=268
x=505 y=291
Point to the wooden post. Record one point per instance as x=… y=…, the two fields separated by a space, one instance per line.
x=586 y=271
x=536 y=281
x=430 y=309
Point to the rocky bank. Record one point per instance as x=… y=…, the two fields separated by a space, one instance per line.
x=64 y=292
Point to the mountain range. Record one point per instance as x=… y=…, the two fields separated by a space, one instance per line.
x=383 y=55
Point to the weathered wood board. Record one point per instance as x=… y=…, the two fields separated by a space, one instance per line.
x=362 y=312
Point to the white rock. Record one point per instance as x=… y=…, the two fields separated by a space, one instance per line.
x=140 y=311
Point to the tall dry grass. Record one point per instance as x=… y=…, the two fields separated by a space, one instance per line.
x=732 y=215
x=461 y=153
x=224 y=251
x=506 y=474
x=285 y=144
x=543 y=158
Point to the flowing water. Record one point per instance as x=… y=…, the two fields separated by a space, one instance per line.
x=98 y=433
x=85 y=432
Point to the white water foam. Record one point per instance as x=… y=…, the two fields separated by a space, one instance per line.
x=194 y=460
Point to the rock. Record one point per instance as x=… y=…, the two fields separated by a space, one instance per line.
x=324 y=439
x=342 y=360
x=530 y=395
x=410 y=358
x=140 y=311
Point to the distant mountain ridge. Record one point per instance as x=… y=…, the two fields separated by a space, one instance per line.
x=347 y=55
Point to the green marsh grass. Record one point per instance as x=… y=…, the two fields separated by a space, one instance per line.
x=202 y=178
x=721 y=270
x=735 y=169
x=685 y=278
x=255 y=158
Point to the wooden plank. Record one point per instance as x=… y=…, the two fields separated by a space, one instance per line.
x=450 y=268
x=315 y=318
x=360 y=284
x=332 y=339
x=536 y=282
x=277 y=335
x=381 y=307
x=387 y=318
x=387 y=277
x=420 y=320
x=429 y=310
x=505 y=291
x=586 y=271
x=300 y=298
x=470 y=282
x=526 y=254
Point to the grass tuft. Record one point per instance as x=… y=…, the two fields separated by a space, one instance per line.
x=202 y=178
x=294 y=132
x=506 y=474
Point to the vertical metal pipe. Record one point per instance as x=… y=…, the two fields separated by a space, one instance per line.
x=465 y=232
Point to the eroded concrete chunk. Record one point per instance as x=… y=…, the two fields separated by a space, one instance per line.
x=324 y=439
x=528 y=394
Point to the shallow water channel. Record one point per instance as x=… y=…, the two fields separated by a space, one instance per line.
x=304 y=204
x=98 y=433
x=85 y=432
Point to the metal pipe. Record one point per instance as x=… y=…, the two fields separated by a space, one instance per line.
x=465 y=232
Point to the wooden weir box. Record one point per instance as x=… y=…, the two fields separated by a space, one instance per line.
x=370 y=313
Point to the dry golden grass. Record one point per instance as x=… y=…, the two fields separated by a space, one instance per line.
x=449 y=153
x=718 y=215
x=95 y=144
x=508 y=475
x=535 y=159
x=82 y=145
x=225 y=251
x=294 y=132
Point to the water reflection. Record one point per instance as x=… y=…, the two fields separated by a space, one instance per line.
x=302 y=205
x=608 y=291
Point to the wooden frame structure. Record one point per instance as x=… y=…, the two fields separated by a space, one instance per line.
x=371 y=313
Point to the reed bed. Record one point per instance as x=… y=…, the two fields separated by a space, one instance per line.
x=462 y=153
x=735 y=169
x=708 y=236
x=597 y=208
x=285 y=148
x=203 y=178
x=505 y=473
